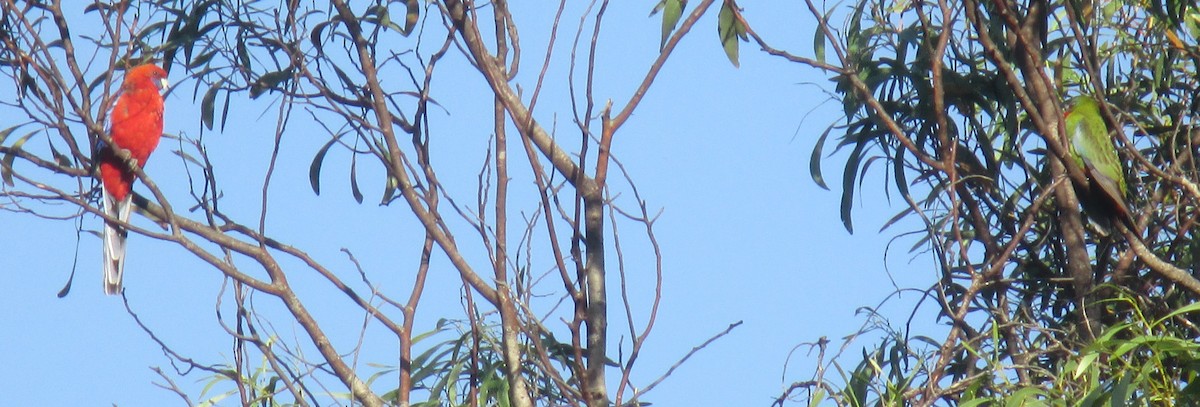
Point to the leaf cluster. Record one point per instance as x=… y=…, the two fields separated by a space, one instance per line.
x=959 y=107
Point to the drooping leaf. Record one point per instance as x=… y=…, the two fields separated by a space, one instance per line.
x=672 y=10
x=730 y=29
x=208 y=104
x=389 y=190
x=855 y=40
x=225 y=112
x=316 y=37
x=243 y=53
x=358 y=196
x=819 y=40
x=862 y=175
x=898 y=172
x=410 y=19
x=814 y=162
x=6 y=164
x=29 y=84
x=346 y=81
x=848 y=177
x=381 y=15
x=314 y=170
x=59 y=158
x=4 y=133
x=658 y=7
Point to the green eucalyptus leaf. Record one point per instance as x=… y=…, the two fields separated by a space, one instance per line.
x=672 y=10
x=314 y=170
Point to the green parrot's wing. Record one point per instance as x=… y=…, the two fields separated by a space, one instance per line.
x=1095 y=152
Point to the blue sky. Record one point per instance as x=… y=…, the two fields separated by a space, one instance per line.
x=722 y=151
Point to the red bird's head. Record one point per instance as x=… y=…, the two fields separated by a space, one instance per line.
x=147 y=76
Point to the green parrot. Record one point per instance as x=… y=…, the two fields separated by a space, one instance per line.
x=1095 y=153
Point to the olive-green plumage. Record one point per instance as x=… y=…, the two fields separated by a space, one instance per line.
x=1095 y=153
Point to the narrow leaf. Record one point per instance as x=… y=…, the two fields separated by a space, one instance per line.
x=316 y=37
x=243 y=53
x=410 y=19
x=658 y=7
x=819 y=42
x=28 y=84
x=187 y=157
x=7 y=163
x=225 y=112
x=896 y=218
x=4 y=133
x=358 y=196
x=269 y=81
x=208 y=104
x=727 y=31
x=898 y=173
x=202 y=59
x=672 y=10
x=61 y=159
x=848 y=186
x=814 y=163
x=314 y=170
x=389 y=191
x=1085 y=362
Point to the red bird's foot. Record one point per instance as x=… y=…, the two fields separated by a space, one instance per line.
x=124 y=155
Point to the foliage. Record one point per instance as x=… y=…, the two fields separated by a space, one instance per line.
x=463 y=370
x=358 y=76
x=1138 y=362
x=959 y=105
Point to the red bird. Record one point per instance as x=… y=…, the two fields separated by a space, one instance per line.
x=137 y=124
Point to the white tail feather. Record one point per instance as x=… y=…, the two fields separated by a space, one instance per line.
x=114 y=242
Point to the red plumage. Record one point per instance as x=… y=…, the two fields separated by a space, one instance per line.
x=136 y=126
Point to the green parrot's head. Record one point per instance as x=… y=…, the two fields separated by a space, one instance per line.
x=1085 y=105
